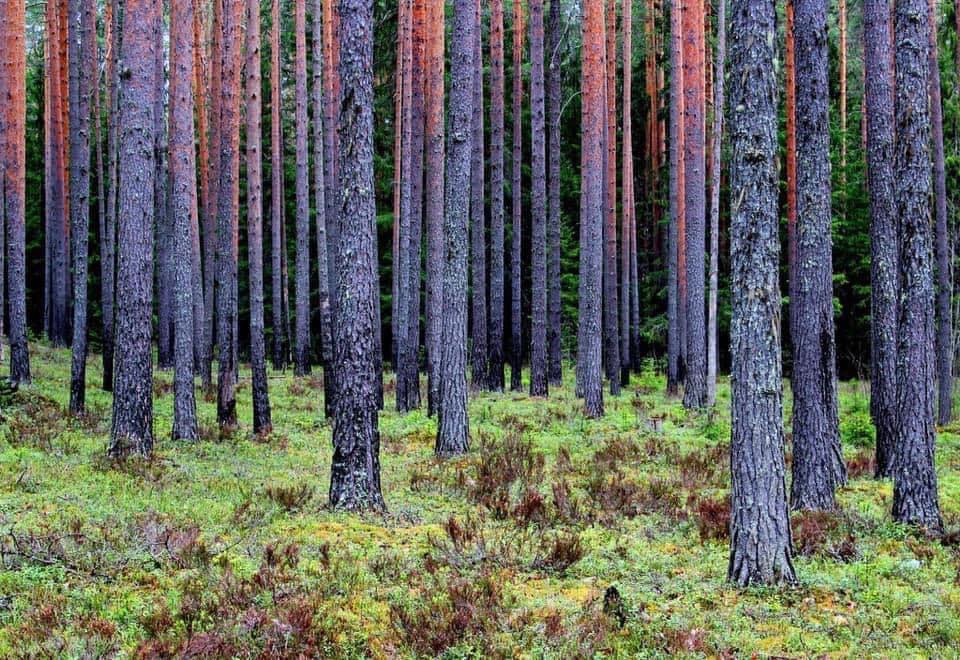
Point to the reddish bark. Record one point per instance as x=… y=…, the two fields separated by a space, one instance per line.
x=611 y=330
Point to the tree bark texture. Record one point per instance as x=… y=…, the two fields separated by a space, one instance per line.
x=435 y=201
x=539 y=370
x=554 y=302
x=277 y=246
x=715 y=168
x=478 y=224
x=516 y=197
x=495 y=373
x=323 y=266
x=301 y=338
x=674 y=306
x=611 y=323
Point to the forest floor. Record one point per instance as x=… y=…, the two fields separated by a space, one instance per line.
x=225 y=546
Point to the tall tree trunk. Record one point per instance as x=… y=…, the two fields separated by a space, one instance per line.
x=301 y=339
x=943 y=256
x=717 y=163
x=675 y=309
x=478 y=226
x=163 y=219
x=495 y=375
x=408 y=376
x=258 y=347
x=13 y=179
x=818 y=467
x=790 y=82
x=402 y=188
x=695 y=383
x=760 y=540
x=132 y=428
x=277 y=246
x=215 y=93
x=108 y=234
x=627 y=229
x=915 y=499
x=435 y=187
x=842 y=21
x=331 y=103
x=453 y=427
x=228 y=198
x=184 y=211
x=611 y=329
x=82 y=37
x=538 y=203
x=323 y=268
x=554 y=302
x=203 y=253
x=592 y=196
x=878 y=99
x=355 y=473
x=516 y=196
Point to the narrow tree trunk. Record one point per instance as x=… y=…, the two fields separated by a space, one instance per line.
x=163 y=219
x=258 y=348
x=355 y=473
x=203 y=253
x=554 y=303
x=790 y=82
x=760 y=540
x=402 y=187
x=495 y=375
x=211 y=322
x=331 y=102
x=915 y=499
x=277 y=246
x=942 y=250
x=478 y=226
x=818 y=467
x=132 y=428
x=108 y=236
x=674 y=300
x=435 y=187
x=842 y=66
x=538 y=203
x=184 y=209
x=400 y=123
x=627 y=229
x=695 y=371
x=323 y=268
x=592 y=196
x=516 y=196
x=878 y=98
x=82 y=36
x=715 y=202
x=228 y=192
x=301 y=339
x=611 y=324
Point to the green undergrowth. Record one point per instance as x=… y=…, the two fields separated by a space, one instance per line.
x=556 y=536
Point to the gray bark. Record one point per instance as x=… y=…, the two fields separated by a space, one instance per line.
x=495 y=374
x=301 y=338
x=323 y=268
x=516 y=197
x=554 y=304
x=538 y=201
x=673 y=285
x=478 y=227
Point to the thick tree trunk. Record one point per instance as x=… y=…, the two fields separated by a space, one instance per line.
x=184 y=211
x=82 y=36
x=538 y=204
x=818 y=467
x=323 y=267
x=355 y=473
x=592 y=196
x=277 y=246
x=915 y=499
x=13 y=179
x=611 y=324
x=132 y=428
x=453 y=429
x=674 y=300
x=228 y=196
x=695 y=370
x=554 y=303
x=716 y=165
x=942 y=249
x=878 y=99
x=478 y=225
x=434 y=207
x=760 y=540
x=258 y=347
x=516 y=197
x=301 y=338
x=495 y=374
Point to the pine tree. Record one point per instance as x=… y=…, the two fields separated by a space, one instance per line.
x=516 y=196
x=108 y=229
x=495 y=374
x=715 y=167
x=611 y=327
x=538 y=196
x=301 y=338
x=554 y=303
x=675 y=310
x=478 y=225
x=277 y=246
x=627 y=227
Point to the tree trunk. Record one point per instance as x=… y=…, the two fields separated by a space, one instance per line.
x=331 y=102
x=878 y=99
x=132 y=428
x=790 y=82
x=842 y=21
x=453 y=428
x=760 y=540
x=228 y=192
x=915 y=499
x=516 y=196
x=402 y=188
x=818 y=467
x=108 y=234
x=13 y=180
x=435 y=187
x=355 y=473
x=323 y=268
x=478 y=226
x=538 y=203
x=554 y=302
x=184 y=211
x=495 y=375
x=695 y=369
x=203 y=253
x=82 y=41
x=611 y=330
x=943 y=256
x=717 y=163
x=163 y=219
x=627 y=227
x=211 y=322
x=674 y=300
x=301 y=338
x=277 y=246
x=258 y=348
x=592 y=196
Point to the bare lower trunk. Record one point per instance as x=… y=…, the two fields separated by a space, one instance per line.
x=495 y=375
x=478 y=226
x=611 y=324
x=538 y=197
x=674 y=310
x=554 y=303
x=516 y=197
x=323 y=268
x=715 y=203
x=277 y=246
x=301 y=339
